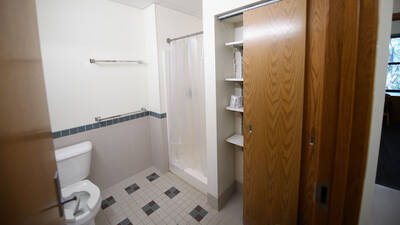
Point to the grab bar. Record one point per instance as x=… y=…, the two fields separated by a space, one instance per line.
x=99 y=119
x=115 y=61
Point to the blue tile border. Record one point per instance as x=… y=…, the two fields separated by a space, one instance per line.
x=158 y=115
x=84 y=128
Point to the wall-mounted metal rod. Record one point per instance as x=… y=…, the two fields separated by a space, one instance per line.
x=240 y=11
x=169 y=40
x=115 y=61
x=99 y=119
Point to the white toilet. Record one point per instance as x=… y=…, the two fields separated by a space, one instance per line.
x=73 y=165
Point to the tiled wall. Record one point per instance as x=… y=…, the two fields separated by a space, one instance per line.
x=121 y=147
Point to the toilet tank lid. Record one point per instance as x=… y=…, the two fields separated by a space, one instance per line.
x=73 y=150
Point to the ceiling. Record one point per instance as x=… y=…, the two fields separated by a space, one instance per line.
x=191 y=7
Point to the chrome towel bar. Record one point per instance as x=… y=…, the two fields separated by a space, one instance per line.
x=114 y=61
x=99 y=119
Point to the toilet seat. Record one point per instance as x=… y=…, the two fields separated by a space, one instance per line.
x=90 y=202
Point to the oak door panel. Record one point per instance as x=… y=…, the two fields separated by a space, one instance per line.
x=274 y=65
x=27 y=160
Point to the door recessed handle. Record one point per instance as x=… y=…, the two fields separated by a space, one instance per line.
x=250 y=128
x=321 y=195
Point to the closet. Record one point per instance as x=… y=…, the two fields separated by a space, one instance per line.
x=263 y=60
x=308 y=72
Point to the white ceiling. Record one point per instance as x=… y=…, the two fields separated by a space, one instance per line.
x=191 y=7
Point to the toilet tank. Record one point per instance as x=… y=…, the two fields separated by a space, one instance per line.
x=73 y=163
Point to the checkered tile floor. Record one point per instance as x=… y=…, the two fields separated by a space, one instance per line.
x=151 y=197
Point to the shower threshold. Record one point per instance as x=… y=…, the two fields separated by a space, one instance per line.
x=194 y=178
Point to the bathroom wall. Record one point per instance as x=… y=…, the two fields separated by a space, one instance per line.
x=152 y=59
x=171 y=24
x=119 y=151
x=73 y=31
x=168 y=24
x=239 y=151
x=162 y=23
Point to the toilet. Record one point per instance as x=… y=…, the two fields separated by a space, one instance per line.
x=73 y=164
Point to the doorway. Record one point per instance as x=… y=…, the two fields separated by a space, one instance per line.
x=387 y=183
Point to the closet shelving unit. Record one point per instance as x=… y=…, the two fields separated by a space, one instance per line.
x=234 y=109
x=236 y=139
x=234 y=79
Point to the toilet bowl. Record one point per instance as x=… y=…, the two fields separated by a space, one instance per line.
x=89 y=203
x=73 y=165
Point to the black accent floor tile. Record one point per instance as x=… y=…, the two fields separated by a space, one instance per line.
x=150 y=207
x=198 y=213
x=172 y=192
x=107 y=202
x=125 y=222
x=132 y=188
x=152 y=177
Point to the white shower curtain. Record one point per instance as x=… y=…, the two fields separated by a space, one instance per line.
x=186 y=105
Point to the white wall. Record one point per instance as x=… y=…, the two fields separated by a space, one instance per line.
x=382 y=53
x=171 y=23
x=164 y=23
x=71 y=32
x=152 y=59
x=211 y=8
x=119 y=151
x=238 y=152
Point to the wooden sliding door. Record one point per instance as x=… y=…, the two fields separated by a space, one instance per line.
x=274 y=65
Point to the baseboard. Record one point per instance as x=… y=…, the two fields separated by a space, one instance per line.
x=239 y=186
x=213 y=201
x=219 y=203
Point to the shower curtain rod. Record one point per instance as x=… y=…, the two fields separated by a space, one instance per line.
x=169 y=40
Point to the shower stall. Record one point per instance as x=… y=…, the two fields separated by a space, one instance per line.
x=186 y=109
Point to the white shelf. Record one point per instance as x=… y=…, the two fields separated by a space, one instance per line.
x=236 y=44
x=234 y=109
x=236 y=139
x=234 y=79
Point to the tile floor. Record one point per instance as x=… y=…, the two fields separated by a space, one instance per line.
x=151 y=197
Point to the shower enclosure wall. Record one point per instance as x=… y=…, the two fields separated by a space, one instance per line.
x=186 y=110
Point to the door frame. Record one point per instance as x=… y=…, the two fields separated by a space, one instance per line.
x=339 y=92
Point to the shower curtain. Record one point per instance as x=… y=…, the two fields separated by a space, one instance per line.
x=186 y=105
